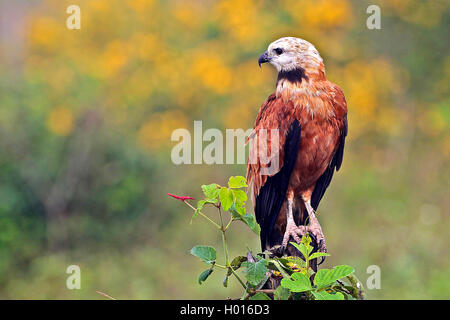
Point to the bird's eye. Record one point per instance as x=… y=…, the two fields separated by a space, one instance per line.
x=278 y=51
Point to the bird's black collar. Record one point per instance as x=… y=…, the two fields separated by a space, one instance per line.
x=293 y=76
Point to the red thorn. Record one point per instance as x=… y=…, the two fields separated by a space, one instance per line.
x=180 y=198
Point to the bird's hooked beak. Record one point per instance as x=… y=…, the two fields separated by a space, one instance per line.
x=263 y=58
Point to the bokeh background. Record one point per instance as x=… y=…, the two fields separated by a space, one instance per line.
x=86 y=117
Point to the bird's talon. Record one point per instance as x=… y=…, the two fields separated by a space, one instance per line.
x=292 y=231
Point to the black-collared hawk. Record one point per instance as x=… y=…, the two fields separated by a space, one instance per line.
x=310 y=115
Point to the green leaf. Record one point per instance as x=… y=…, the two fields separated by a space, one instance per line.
x=281 y=293
x=323 y=295
x=259 y=296
x=250 y=221
x=247 y=218
x=240 y=199
x=325 y=277
x=345 y=290
x=200 y=205
x=304 y=249
x=237 y=182
x=211 y=191
x=297 y=260
x=206 y=253
x=318 y=254
x=226 y=197
x=225 y=280
x=204 y=275
x=299 y=283
x=256 y=271
x=236 y=263
x=240 y=195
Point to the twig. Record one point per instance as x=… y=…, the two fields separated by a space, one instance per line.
x=264 y=290
x=224 y=240
x=105 y=295
x=203 y=215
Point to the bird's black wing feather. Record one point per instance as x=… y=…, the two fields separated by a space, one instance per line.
x=272 y=195
x=324 y=181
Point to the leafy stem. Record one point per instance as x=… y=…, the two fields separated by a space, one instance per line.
x=238 y=278
x=203 y=215
x=295 y=279
x=224 y=238
x=225 y=248
x=229 y=223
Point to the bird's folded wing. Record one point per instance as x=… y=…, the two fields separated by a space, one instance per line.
x=269 y=190
x=340 y=106
x=274 y=114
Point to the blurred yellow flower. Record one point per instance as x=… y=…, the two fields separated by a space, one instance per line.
x=248 y=75
x=424 y=13
x=212 y=72
x=157 y=131
x=321 y=13
x=240 y=116
x=60 y=121
x=192 y=49
x=187 y=13
x=113 y=59
x=361 y=88
x=44 y=32
x=99 y=5
x=140 y=5
x=239 y=18
x=369 y=88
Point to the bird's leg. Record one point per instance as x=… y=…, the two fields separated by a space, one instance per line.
x=291 y=228
x=314 y=227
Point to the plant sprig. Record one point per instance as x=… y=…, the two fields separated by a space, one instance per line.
x=298 y=279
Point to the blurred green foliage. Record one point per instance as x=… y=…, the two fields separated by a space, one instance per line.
x=86 y=118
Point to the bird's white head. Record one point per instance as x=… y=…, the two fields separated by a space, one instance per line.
x=289 y=53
